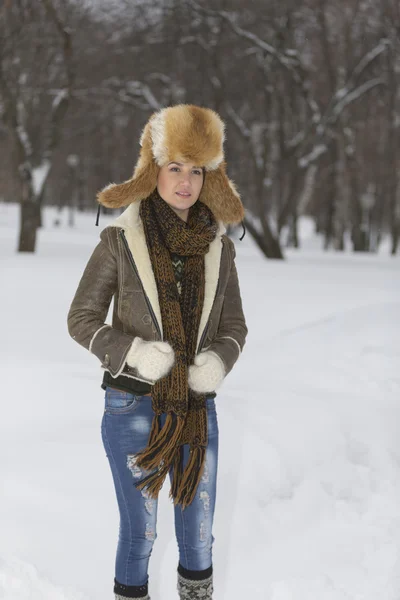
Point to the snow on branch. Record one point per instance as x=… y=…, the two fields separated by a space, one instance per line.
x=342 y=98
x=238 y=121
x=138 y=88
x=286 y=59
x=347 y=94
x=59 y=97
x=65 y=37
x=39 y=176
x=350 y=97
x=62 y=97
x=24 y=139
x=296 y=140
x=197 y=39
x=131 y=94
x=368 y=59
x=20 y=129
x=305 y=161
x=289 y=58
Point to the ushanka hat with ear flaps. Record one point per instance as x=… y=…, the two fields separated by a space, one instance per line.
x=181 y=133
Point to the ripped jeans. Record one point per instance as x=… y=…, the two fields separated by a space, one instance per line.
x=125 y=430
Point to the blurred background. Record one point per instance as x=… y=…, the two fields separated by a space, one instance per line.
x=309 y=419
x=309 y=90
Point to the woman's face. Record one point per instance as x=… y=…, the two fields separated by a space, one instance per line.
x=179 y=184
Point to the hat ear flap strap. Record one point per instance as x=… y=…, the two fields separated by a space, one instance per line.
x=98 y=214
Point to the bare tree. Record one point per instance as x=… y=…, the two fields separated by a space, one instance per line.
x=308 y=88
x=390 y=16
x=36 y=77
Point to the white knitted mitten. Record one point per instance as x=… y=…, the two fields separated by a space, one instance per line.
x=152 y=360
x=207 y=373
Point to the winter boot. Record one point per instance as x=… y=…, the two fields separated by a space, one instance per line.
x=131 y=592
x=195 y=589
x=118 y=597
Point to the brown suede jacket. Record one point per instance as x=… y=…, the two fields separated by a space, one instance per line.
x=120 y=268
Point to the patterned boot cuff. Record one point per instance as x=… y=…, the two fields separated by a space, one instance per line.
x=131 y=592
x=190 y=589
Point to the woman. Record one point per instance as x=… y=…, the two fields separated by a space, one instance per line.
x=177 y=330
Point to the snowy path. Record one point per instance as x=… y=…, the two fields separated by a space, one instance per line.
x=309 y=475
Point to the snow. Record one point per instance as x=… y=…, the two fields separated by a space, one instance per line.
x=315 y=153
x=39 y=176
x=20 y=580
x=348 y=97
x=59 y=97
x=21 y=130
x=309 y=471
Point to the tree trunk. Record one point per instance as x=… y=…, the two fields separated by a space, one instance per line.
x=268 y=245
x=29 y=222
x=293 y=237
x=360 y=238
x=395 y=231
x=342 y=193
x=329 y=210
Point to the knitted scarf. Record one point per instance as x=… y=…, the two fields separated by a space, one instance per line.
x=186 y=420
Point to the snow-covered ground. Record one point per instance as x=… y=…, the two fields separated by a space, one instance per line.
x=309 y=474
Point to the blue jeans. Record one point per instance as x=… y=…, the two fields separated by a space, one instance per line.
x=125 y=430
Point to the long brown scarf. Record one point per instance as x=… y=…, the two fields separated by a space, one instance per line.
x=186 y=420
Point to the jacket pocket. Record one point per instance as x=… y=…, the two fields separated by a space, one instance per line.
x=119 y=402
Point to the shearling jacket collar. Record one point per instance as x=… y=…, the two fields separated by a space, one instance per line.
x=132 y=226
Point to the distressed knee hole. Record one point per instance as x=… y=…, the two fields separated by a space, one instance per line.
x=132 y=466
x=205 y=499
x=149 y=533
x=149 y=502
x=206 y=474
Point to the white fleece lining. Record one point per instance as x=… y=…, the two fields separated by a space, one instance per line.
x=131 y=222
x=227 y=337
x=94 y=336
x=160 y=151
x=212 y=262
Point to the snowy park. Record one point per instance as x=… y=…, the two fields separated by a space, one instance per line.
x=278 y=123
x=309 y=472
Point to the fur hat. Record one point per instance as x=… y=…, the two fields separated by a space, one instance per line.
x=184 y=132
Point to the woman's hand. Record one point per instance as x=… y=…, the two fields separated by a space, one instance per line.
x=152 y=360
x=207 y=373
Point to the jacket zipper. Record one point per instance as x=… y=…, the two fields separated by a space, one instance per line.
x=122 y=233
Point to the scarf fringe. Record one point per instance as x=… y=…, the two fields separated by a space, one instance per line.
x=153 y=482
x=184 y=482
x=177 y=473
x=190 y=478
x=155 y=430
x=162 y=443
